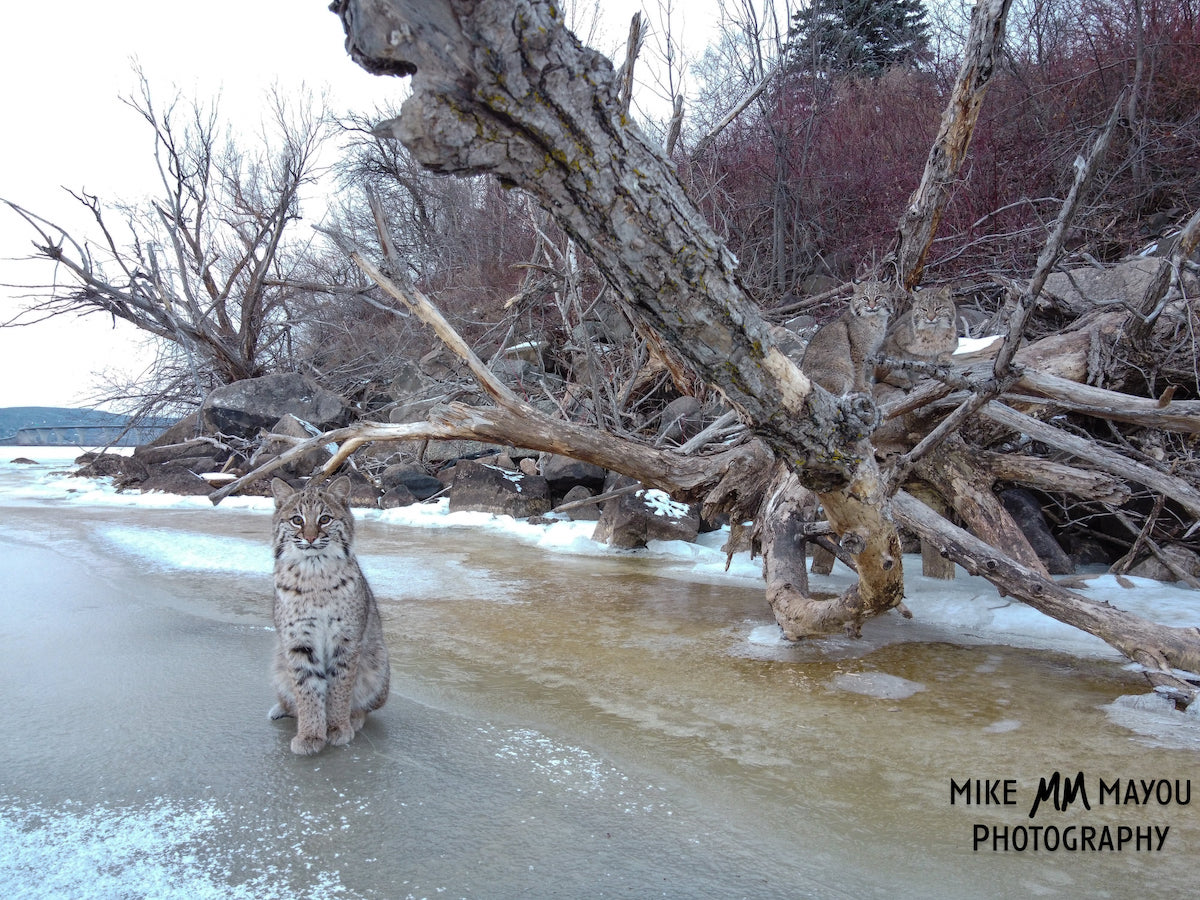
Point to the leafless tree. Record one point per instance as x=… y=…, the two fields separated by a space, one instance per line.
x=207 y=264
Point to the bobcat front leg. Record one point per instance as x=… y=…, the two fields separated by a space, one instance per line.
x=342 y=675
x=309 y=689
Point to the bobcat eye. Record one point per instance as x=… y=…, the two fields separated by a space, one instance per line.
x=298 y=521
x=324 y=520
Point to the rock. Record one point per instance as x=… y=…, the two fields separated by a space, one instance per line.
x=528 y=465
x=630 y=520
x=363 y=493
x=681 y=420
x=483 y=488
x=170 y=478
x=513 y=371
x=1153 y=567
x=563 y=473
x=1087 y=551
x=589 y=512
x=23 y=461
x=246 y=407
x=419 y=485
x=124 y=470
x=1090 y=286
x=283 y=437
x=186 y=429
x=407 y=381
x=397 y=496
x=199 y=464
x=439 y=364
x=156 y=452
x=413 y=411
x=1027 y=513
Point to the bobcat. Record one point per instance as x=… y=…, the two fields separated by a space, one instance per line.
x=840 y=355
x=331 y=664
x=928 y=332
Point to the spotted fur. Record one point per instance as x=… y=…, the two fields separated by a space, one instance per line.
x=840 y=355
x=928 y=332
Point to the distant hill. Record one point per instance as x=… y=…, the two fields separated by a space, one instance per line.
x=65 y=426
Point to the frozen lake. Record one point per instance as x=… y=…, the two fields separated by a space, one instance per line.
x=564 y=722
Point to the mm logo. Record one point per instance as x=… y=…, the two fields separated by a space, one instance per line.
x=1061 y=791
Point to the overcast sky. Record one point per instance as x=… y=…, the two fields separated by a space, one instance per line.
x=63 y=70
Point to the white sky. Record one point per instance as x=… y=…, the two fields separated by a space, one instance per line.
x=63 y=69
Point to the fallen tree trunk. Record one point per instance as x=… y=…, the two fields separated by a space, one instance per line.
x=503 y=88
x=1157 y=647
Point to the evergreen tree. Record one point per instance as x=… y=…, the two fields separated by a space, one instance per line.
x=865 y=36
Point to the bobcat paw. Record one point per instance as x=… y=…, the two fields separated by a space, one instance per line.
x=279 y=711
x=339 y=736
x=307 y=746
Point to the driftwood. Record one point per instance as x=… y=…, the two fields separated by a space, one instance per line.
x=503 y=88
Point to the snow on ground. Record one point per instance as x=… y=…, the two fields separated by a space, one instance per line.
x=966 y=610
x=104 y=852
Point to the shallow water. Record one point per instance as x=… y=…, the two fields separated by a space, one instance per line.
x=559 y=726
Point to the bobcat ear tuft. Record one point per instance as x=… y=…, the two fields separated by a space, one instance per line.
x=340 y=488
x=282 y=490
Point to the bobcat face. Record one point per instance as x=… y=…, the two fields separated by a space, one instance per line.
x=933 y=308
x=870 y=299
x=310 y=521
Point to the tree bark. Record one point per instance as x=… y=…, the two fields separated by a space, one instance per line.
x=920 y=220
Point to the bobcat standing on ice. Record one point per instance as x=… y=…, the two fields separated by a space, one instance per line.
x=331 y=664
x=840 y=356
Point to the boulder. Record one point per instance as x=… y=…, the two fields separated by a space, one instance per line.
x=246 y=407
x=1153 y=567
x=483 y=488
x=563 y=473
x=283 y=437
x=413 y=411
x=589 y=512
x=199 y=464
x=362 y=492
x=630 y=520
x=157 y=452
x=397 y=496
x=170 y=478
x=186 y=429
x=124 y=470
x=1090 y=286
x=1027 y=513
x=417 y=484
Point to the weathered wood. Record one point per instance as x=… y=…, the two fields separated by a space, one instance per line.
x=1160 y=648
x=1054 y=477
x=502 y=88
x=1152 y=303
x=969 y=491
x=981 y=54
x=1175 y=415
x=1109 y=461
x=933 y=563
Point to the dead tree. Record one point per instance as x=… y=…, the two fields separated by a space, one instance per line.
x=201 y=266
x=503 y=88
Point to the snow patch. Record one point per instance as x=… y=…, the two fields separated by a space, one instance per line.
x=876 y=684
x=661 y=504
x=155 y=851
